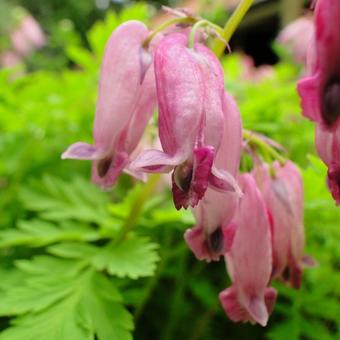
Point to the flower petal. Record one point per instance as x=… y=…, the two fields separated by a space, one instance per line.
x=119 y=86
x=106 y=171
x=308 y=89
x=249 y=260
x=197 y=183
x=83 y=151
x=180 y=90
x=231 y=305
x=223 y=181
x=156 y=161
x=229 y=154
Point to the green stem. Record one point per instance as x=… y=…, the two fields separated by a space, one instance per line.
x=231 y=26
x=177 y=298
x=192 y=35
x=153 y=281
x=137 y=206
x=256 y=140
x=160 y=28
x=199 y=24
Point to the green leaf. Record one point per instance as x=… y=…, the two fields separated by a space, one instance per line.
x=71 y=302
x=82 y=57
x=38 y=233
x=134 y=257
x=56 y=200
x=109 y=319
x=73 y=250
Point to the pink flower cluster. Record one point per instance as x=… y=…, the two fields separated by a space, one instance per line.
x=320 y=91
x=25 y=38
x=254 y=220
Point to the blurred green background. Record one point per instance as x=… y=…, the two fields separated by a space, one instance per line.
x=59 y=279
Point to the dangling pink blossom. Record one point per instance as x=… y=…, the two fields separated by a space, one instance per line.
x=297 y=37
x=190 y=89
x=328 y=147
x=320 y=92
x=213 y=213
x=249 y=260
x=28 y=36
x=125 y=103
x=282 y=190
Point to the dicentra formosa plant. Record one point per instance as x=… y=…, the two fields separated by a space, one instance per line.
x=255 y=219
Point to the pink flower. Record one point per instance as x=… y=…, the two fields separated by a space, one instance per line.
x=125 y=104
x=28 y=36
x=283 y=195
x=297 y=37
x=33 y=31
x=9 y=59
x=249 y=261
x=209 y=238
x=328 y=147
x=320 y=93
x=252 y=73
x=190 y=89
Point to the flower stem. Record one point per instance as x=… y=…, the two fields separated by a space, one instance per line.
x=160 y=28
x=137 y=206
x=194 y=29
x=231 y=26
x=202 y=23
x=259 y=142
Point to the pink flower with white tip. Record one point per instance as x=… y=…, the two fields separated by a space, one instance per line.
x=320 y=92
x=282 y=190
x=249 y=261
x=209 y=238
x=190 y=90
x=28 y=36
x=126 y=100
x=296 y=37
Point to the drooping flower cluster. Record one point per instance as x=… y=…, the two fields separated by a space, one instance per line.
x=253 y=220
x=25 y=37
x=320 y=91
x=265 y=240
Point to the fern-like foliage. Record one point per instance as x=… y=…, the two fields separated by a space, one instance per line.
x=62 y=299
x=57 y=200
x=69 y=292
x=135 y=257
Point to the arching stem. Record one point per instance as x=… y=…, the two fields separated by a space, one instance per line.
x=231 y=26
x=257 y=141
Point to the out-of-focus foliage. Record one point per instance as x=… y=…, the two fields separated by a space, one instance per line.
x=72 y=268
x=66 y=23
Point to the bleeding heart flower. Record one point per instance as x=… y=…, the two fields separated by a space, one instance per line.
x=209 y=238
x=296 y=37
x=320 y=92
x=282 y=190
x=28 y=36
x=249 y=260
x=126 y=99
x=190 y=90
